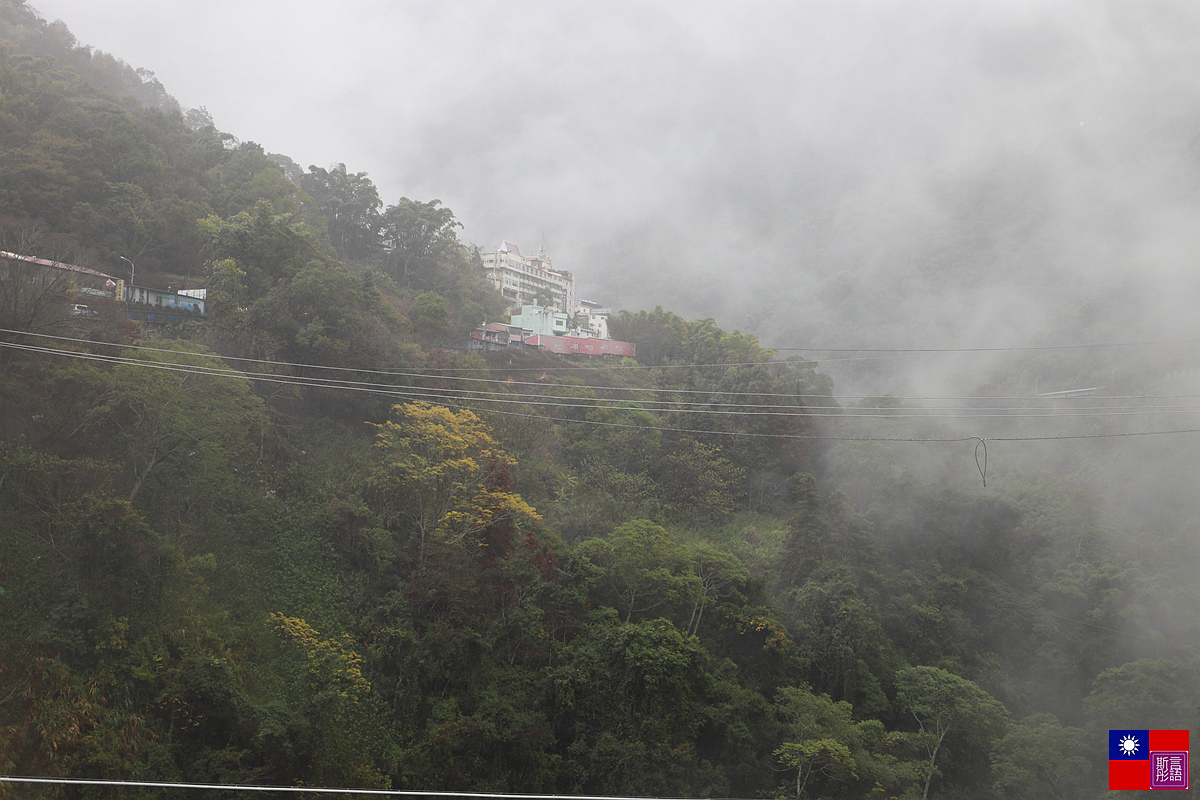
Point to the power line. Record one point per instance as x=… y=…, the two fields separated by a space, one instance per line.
x=423 y=371
x=728 y=408
x=543 y=368
x=923 y=411
x=770 y=349
x=695 y=431
x=1076 y=621
x=470 y=396
x=1016 y=349
x=320 y=789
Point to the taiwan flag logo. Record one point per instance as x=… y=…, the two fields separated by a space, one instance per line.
x=1147 y=759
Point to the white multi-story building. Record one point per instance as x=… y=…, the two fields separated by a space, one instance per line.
x=590 y=319
x=529 y=280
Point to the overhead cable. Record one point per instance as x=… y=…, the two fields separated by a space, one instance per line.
x=316 y=789
x=726 y=409
x=1011 y=349
x=508 y=384
x=424 y=372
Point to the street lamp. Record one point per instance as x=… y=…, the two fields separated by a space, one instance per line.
x=132 y=270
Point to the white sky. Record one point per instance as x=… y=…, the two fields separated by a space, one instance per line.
x=524 y=99
x=321 y=82
x=662 y=146
x=379 y=84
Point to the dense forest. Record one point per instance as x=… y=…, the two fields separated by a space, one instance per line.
x=310 y=540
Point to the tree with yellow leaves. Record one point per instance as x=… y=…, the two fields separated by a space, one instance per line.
x=444 y=474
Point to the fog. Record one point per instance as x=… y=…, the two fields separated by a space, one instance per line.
x=1002 y=194
x=826 y=174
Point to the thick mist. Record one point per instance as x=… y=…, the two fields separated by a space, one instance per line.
x=920 y=174
x=985 y=209
x=865 y=174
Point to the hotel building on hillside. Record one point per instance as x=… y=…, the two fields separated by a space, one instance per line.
x=529 y=280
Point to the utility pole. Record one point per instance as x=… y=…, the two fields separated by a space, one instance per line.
x=132 y=271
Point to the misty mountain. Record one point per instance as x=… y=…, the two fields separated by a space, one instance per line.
x=308 y=536
x=923 y=174
x=884 y=174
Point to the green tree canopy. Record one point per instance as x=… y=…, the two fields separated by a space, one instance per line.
x=638 y=569
x=178 y=407
x=350 y=204
x=946 y=704
x=1040 y=757
x=416 y=236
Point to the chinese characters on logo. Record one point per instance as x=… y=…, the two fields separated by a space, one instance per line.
x=1169 y=769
